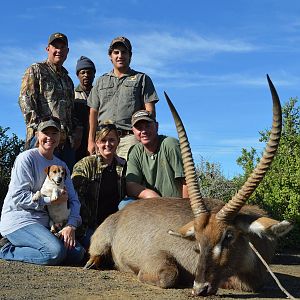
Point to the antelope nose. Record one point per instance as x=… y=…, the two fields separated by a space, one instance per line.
x=202 y=289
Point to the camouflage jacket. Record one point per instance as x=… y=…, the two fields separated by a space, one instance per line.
x=87 y=177
x=46 y=91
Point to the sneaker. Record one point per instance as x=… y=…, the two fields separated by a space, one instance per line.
x=3 y=242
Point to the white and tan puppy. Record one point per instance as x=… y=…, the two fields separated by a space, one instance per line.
x=52 y=187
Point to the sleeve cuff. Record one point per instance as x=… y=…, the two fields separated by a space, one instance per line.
x=45 y=200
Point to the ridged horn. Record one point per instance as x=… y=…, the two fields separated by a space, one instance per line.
x=230 y=209
x=196 y=201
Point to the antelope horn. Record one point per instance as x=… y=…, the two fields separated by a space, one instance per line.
x=196 y=201
x=230 y=209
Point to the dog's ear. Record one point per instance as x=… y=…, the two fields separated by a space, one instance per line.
x=47 y=170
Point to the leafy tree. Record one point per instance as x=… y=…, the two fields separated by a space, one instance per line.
x=10 y=147
x=279 y=192
x=213 y=183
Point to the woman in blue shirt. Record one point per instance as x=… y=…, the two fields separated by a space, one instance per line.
x=24 y=223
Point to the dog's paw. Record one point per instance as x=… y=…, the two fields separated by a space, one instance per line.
x=36 y=196
x=56 y=228
x=54 y=194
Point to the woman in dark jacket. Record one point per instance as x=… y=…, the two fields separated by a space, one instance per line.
x=99 y=181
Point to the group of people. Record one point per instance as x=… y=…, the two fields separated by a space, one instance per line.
x=105 y=135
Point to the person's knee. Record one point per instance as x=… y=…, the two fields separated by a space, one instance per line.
x=124 y=202
x=55 y=255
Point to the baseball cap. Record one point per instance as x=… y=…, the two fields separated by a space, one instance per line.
x=49 y=122
x=122 y=40
x=58 y=36
x=141 y=115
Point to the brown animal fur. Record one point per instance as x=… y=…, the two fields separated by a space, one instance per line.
x=138 y=240
x=167 y=241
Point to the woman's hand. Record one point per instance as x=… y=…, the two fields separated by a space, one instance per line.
x=67 y=235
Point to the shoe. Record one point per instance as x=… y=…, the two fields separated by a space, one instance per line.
x=3 y=242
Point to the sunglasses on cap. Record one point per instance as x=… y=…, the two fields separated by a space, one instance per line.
x=106 y=126
x=109 y=127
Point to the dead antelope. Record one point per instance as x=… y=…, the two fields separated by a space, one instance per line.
x=168 y=241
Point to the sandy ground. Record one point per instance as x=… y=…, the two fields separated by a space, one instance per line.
x=25 y=281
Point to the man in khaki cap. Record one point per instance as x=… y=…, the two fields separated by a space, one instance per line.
x=47 y=90
x=154 y=165
x=118 y=94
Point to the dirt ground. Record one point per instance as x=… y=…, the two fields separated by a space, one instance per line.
x=24 y=281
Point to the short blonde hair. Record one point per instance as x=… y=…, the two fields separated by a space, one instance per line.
x=104 y=129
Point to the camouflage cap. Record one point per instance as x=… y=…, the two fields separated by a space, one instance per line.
x=49 y=122
x=58 y=36
x=121 y=40
x=141 y=115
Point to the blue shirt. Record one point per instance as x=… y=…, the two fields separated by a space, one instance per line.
x=27 y=177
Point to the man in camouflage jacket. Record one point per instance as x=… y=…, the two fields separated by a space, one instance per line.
x=47 y=90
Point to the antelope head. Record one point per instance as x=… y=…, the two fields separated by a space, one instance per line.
x=221 y=235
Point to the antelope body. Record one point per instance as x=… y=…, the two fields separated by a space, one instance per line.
x=169 y=242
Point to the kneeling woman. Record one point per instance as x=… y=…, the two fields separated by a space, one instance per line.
x=25 y=223
x=99 y=181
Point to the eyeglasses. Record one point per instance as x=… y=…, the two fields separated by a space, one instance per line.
x=48 y=118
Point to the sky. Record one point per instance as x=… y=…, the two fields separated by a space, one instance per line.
x=211 y=58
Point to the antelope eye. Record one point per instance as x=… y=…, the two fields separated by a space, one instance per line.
x=228 y=238
x=229 y=235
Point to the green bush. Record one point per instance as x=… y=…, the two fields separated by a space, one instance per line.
x=212 y=182
x=10 y=147
x=279 y=192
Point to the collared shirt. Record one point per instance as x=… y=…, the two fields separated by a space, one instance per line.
x=161 y=171
x=116 y=99
x=80 y=94
x=45 y=91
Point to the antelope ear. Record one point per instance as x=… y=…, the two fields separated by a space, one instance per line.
x=270 y=227
x=186 y=231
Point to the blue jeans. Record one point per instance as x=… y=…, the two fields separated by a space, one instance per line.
x=125 y=201
x=37 y=245
x=86 y=239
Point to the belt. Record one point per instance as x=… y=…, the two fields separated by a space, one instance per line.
x=123 y=132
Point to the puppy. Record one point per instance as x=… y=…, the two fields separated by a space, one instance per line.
x=53 y=187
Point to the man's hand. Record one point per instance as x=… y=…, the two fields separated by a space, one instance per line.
x=91 y=147
x=93 y=121
x=147 y=193
x=139 y=191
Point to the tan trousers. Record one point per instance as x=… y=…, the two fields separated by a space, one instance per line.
x=125 y=144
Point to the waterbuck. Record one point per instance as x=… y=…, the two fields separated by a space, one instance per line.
x=169 y=242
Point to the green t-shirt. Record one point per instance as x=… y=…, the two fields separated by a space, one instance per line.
x=162 y=171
